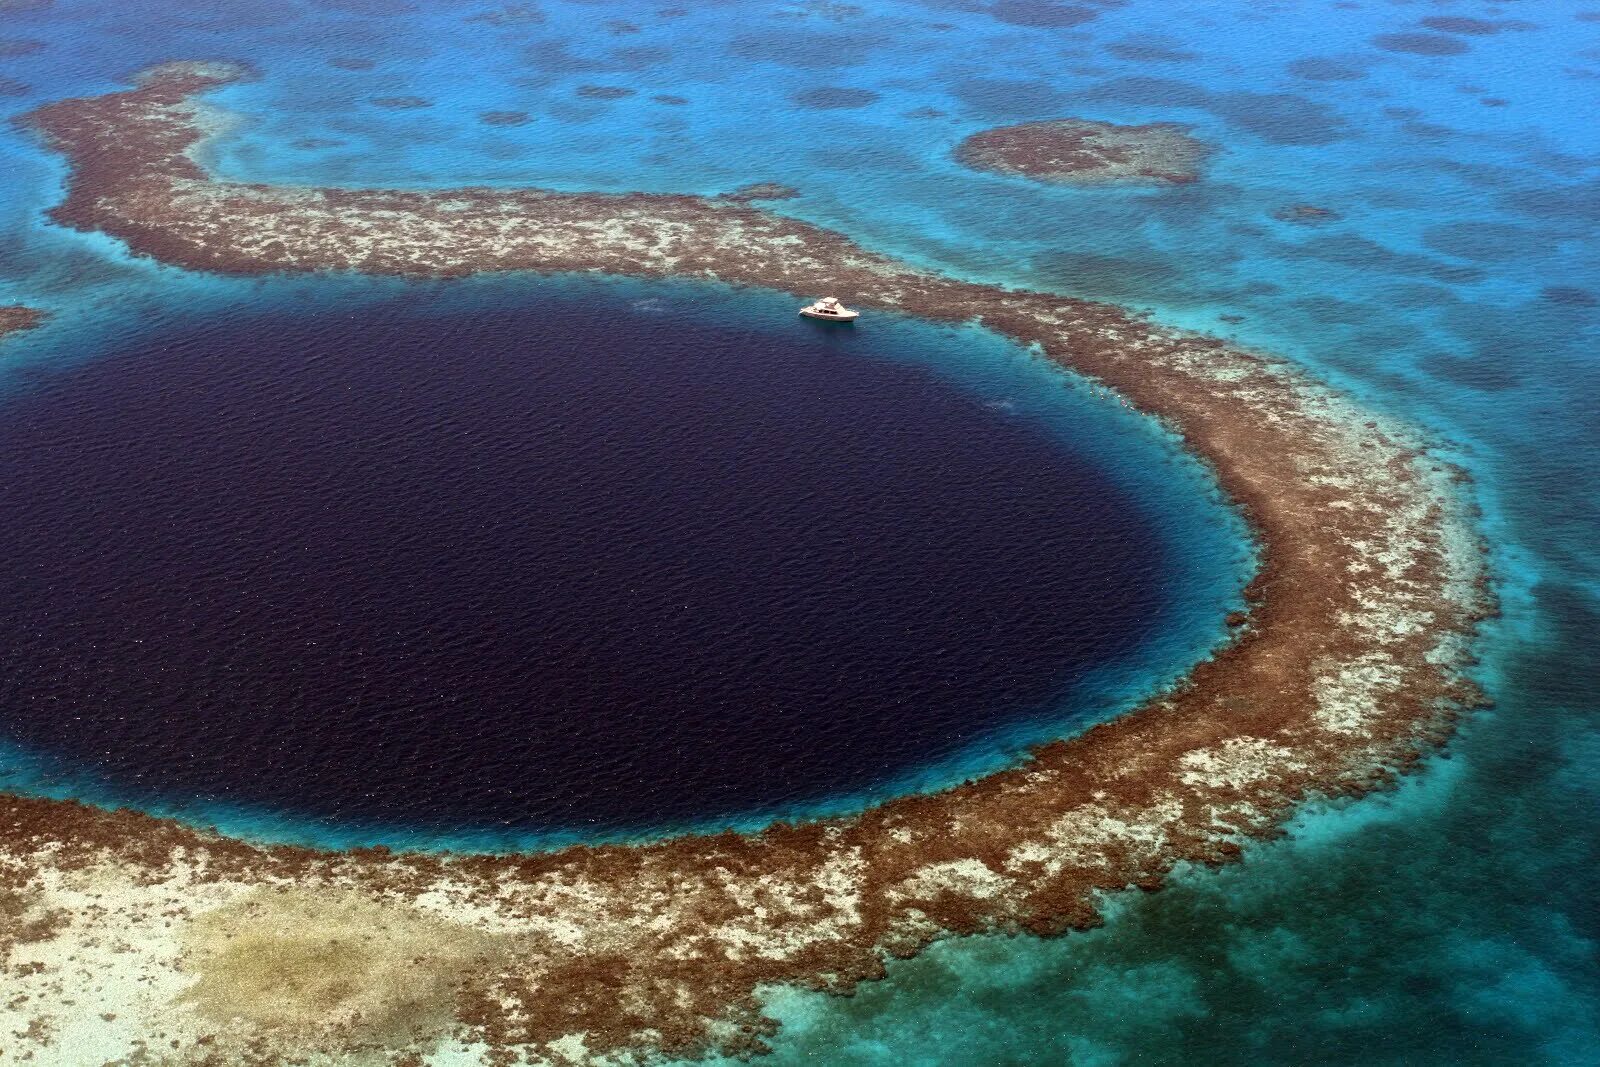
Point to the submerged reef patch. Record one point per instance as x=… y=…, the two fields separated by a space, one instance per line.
x=15 y=318
x=504 y=118
x=1346 y=672
x=1084 y=152
x=1421 y=44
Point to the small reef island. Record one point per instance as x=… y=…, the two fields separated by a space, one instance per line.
x=1084 y=152
x=124 y=932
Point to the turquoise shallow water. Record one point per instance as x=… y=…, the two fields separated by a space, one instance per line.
x=1450 y=922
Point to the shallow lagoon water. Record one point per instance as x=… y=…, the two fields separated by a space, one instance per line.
x=1451 y=922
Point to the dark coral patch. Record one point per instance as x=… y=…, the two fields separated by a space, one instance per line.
x=621 y=27
x=670 y=99
x=401 y=103
x=1041 y=13
x=604 y=92
x=504 y=118
x=311 y=144
x=1325 y=70
x=511 y=15
x=1483 y=242
x=1149 y=50
x=1569 y=296
x=1083 y=152
x=801 y=49
x=1421 y=44
x=1487 y=373
x=1305 y=214
x=352 y=63
x=372 y=7
x=924 y=113
x=1360 y=253
x=761 y=191
x=12 y=87
x=831 y=98
x=15 y=47
x=1474 y=27
x=1279 y=118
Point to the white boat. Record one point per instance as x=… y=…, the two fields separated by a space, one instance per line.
x=830 y=309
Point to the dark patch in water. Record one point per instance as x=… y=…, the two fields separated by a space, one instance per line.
x=401 y=103
x=1473 y=27
x=1041 y=13
x=16 y=47
x=1487 y=373
x=829 y=98
x=604 y=92
x=1485 y=242
x=554 y=56
x=13 y=87
x=381 y=8
x=1305 y=214
x=1281 y=118
x=621 y=27
x=1576 y=205
x=1421 y=44
x=512 y=15
x=1318 y=69
x=352 y=63
x=669 y=99
x=1278 y=118
x=555 y=561
x=1150 y=49
x=504 y=118
x=801 y=49
x=1569 y=296
x=1352 y=250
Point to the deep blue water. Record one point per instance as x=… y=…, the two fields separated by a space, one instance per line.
x=571 y=562
x=1459 y=287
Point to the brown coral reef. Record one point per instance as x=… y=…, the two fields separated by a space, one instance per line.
x=124 y=932
x=1084 y=152
x=15 y=318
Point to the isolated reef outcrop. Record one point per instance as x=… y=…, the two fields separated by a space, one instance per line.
x=14 y=318
x=1085 y=152
x=1346 y=671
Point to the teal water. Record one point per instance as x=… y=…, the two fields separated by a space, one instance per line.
x=1450 y=922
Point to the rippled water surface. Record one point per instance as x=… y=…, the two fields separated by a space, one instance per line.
x=1454 y=282
x=558 y=562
